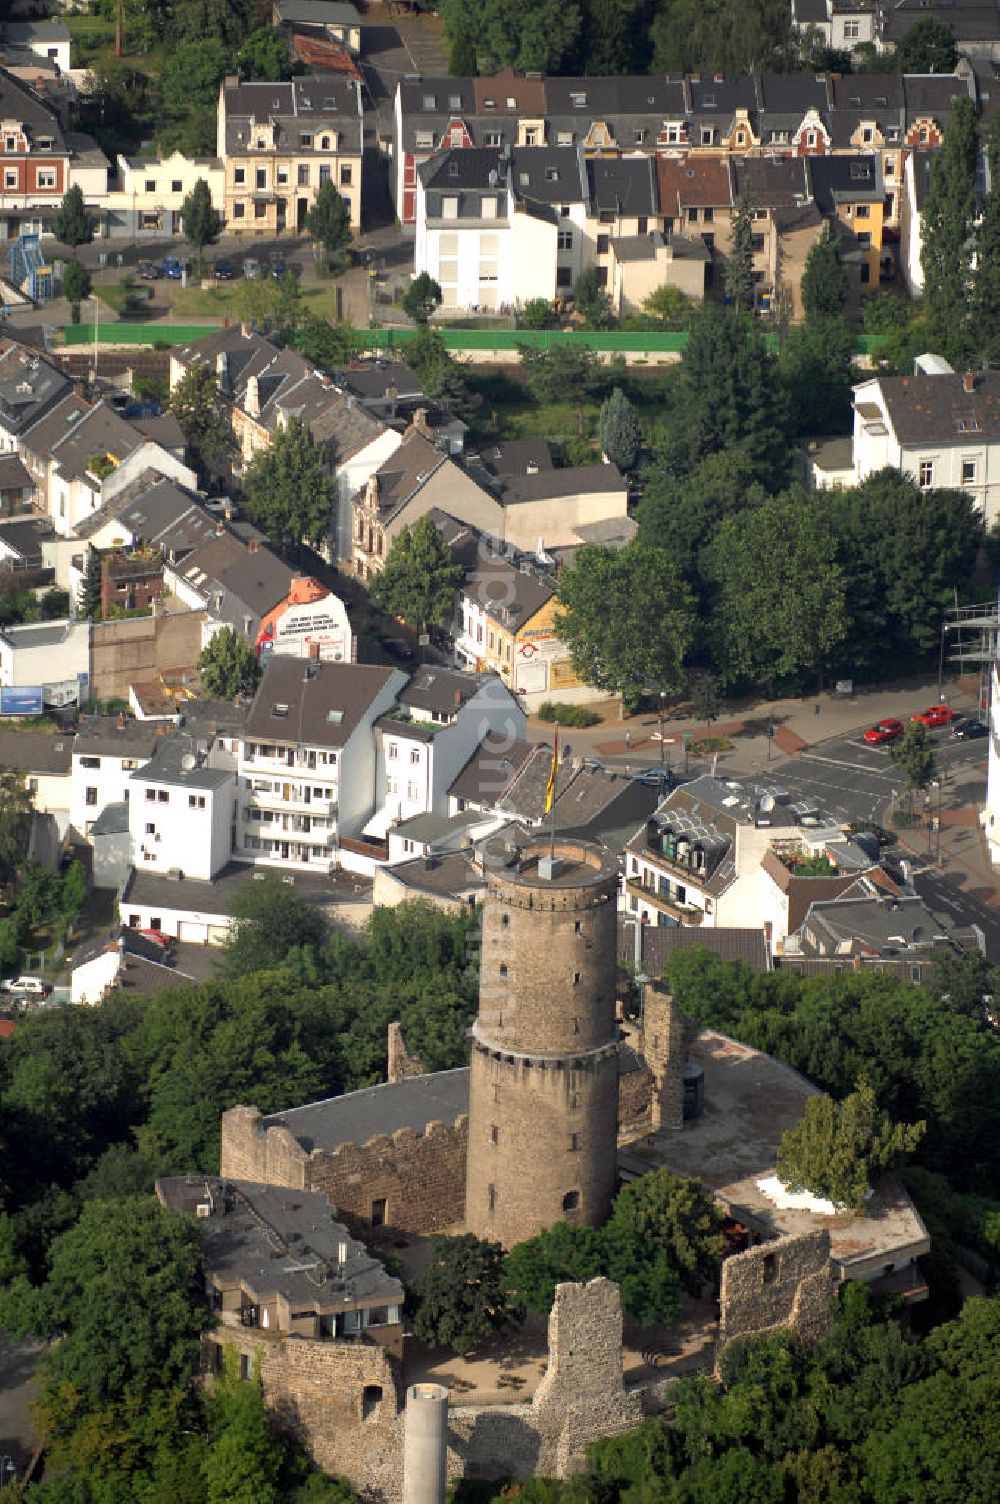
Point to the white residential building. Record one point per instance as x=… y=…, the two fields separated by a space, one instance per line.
x=106 y=752
x=939 y=427
x=306 y=761
x=181 y=809
x=722 y=855
x=423 y=743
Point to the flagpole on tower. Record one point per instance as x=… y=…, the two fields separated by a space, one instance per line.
x=550 y=801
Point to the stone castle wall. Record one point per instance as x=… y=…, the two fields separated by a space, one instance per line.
x=420 y=1177
x=788 y=1282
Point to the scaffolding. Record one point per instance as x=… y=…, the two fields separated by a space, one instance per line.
x=969 y=639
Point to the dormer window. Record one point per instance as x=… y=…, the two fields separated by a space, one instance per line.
x=329 y=103
x=454 y=101
x=880 y=102
x=45 y=143
x=489 y=104
x=305 y=140
x=708 y=102
x=578 y=101
x=324 y=144
x=511 y=103
x=261 y=143
x=552 y=174
x=10 y=143
x=429 y=102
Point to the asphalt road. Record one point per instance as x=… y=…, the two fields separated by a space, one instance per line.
x=853 y=781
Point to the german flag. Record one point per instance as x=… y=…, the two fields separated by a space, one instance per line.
x=551 y=786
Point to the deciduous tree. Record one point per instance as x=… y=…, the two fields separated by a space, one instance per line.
x=668 y=304
x=265 y=55
x=532 y=1269
x=197 y=404
x=526 y=35
x=270 y=921
x=928 y=47
x=228 y=665
x=460 y=1294
x=422 y=299
x=781 y=601
x=985 y=318
x=328 y=220
x=16 y=805
x=418 y=579
x=328 y=345
x=837 y=1148
x=201 y=223
x=627 y=618
x=241 y=1463
x=914 y=755
x=287 y=490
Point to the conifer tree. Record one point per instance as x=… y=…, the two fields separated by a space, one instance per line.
x=946 y=254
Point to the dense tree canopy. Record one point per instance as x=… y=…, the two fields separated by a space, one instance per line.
x=418 y=579
x=228 y=665
x=946 y=221
x=197 y=404
x=288 y=492
x=836 y=1149
x=626 y=616
x=459 y=1293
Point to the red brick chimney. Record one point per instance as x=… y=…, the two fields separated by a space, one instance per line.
x=969 y=382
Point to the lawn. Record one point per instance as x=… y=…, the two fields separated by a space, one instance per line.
x=509 y=411
x=222 y=300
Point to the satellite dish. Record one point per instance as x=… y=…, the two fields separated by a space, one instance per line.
x=189 y=762
x=767 y=803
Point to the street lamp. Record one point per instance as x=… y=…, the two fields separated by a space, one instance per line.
x=663 y=696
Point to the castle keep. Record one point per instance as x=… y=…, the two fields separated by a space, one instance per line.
x=543 y=1089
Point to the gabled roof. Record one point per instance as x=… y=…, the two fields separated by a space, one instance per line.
x=588 y=99
x=441 y=691
x=694 y=182
x=511 y=595
x=29 y=386
x=772 y=182
x=405 y=472
x=938 y=409
x=854 y=179
x=623 y=185
x=319 y=704
x=18 y=102
x=491 y=769
x=254 y=576
x=36 y=752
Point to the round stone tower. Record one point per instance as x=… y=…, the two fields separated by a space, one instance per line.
x=543 y=1099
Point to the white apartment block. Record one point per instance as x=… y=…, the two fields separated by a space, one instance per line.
x=106 y=752
x=306 y=763
x=181 y=810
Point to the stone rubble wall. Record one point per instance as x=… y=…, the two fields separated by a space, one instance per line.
x=788 y=1282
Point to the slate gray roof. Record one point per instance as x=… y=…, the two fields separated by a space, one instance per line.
x=837 y=180
x=257 y=1236
x=112 y=821
x=429 y=827
x=321 y=710
x=23 y=33
x=304 y=104
x=625 y=186
x=98 y=432
x=360 y=1115
x=18 y=102
x=447 y=874
x=587 y=99
x=490 y=770
x=570 y=480
x=24 y=537
x=156 y=510
x=251 y=579
x=105 y=736
x=148 y=890
x=167 y=765
x=36 y=752
x=772 y=182
x=37 y=634
x=876 y=924
x=509 y=594
x=318 y=12
x=441 y=691
x=373 y=381
x=548 y=174
x=512 y=457
x=29 y=385
x=933 y=409
x=969 y=21
x=403 y=474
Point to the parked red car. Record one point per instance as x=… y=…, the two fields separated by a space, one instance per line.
x=935 y=715
x=883 y=731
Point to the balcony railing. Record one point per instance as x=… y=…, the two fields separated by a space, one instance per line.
x=684 y=913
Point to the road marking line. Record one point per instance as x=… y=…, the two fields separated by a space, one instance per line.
x=859 y=767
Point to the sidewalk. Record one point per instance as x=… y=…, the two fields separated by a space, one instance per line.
x=964 y=857
x=799 y=724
